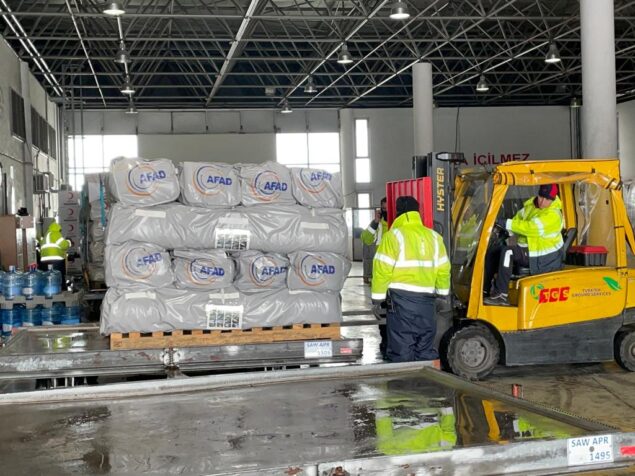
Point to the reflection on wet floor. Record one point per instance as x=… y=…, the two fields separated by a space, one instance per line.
x=261 y=427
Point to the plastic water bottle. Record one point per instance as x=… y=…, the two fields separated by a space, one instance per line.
x=46 y=316
x=2 y=273
x=32 y=317
x=71 y=316
x=11 y=319
x=57 y=312
x=52 y=282
x=12 y=283
x=31 y=283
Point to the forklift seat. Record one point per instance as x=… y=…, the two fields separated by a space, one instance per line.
x=568 y=236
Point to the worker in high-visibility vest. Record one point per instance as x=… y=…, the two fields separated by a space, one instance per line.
x=53 y=248
x=371 y=237
x=538 y=226
x=411 y=266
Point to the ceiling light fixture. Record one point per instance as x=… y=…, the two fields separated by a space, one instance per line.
x=310 y=86
x=399 y=11
x=132 y=109
x=552 y=54
x=575 y=103
x=122 y=56
x=482 y=85
x=114 y=9
x=345 y=55
x=127 y=88
x=286 y=109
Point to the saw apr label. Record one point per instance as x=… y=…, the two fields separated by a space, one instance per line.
x=590 y=450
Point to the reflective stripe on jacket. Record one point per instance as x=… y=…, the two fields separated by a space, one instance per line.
x=540 y=230
x=53 y=246
x=411 y=257
x=370 y=236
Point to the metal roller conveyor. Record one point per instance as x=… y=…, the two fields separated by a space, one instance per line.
x=80 y=351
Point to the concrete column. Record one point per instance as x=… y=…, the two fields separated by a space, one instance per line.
x=347 y=156
x=599 y=110
x=28 y=142
x=422 y=108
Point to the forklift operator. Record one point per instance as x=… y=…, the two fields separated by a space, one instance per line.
x=538 y=226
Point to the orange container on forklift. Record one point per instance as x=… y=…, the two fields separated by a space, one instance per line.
x=420 y=188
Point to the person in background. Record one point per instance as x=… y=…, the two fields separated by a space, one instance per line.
x=411 y=268
x=538 y=226
x=53 y=248
x=371 y=237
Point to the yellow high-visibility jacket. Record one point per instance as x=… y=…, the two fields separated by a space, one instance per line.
x=540 y=230
x=370 y=236
x=410 y=257
x=53 y=246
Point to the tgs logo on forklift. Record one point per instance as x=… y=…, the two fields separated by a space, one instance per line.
x=544 y=295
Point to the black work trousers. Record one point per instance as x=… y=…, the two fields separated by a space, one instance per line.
x=411 y=327
x=502 y=261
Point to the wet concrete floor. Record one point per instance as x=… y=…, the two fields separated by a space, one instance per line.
x=601 y=392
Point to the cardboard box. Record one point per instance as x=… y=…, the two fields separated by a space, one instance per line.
x=69 y=198
x=70 y=229
x=69 y=213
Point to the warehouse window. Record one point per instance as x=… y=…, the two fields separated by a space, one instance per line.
x=18 y=125
x=92 y=154
x=319 y=150
x=362 y=153
x=363 y=200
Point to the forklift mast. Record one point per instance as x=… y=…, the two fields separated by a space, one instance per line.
x=441 y=168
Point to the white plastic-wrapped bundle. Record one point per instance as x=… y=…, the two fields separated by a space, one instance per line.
x=137 y=265
x=319 y=271
x=257 y=271
x=266 y=183
x=168 y=309
x=170 y=226
x=210 y=185
x=317 y=188
x=96 y=272
x=285 y=229
x=97 y=250
x=143 y=183
x=277 y=229
x=210 y=269
x=96 y=212
x=97 y=231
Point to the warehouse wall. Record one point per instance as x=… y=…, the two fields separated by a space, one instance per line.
x=626 y=132
x=485 y=135
x=230 y=148
x=11 y=148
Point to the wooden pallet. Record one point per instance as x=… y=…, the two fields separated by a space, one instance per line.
x=197 y=338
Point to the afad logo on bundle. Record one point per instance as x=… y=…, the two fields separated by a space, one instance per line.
x=205 y=271
x=267 y=186
x=138 y=264
x=314 y=271
x=314 y=181
x=209 y=180
x=264 y=271
x=143 y=179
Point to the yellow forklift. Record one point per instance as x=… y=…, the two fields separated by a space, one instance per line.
x=584 y=312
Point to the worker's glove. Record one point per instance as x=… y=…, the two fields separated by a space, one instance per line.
x=501 y=223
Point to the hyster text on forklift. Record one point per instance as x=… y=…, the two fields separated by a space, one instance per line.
x=584 y=312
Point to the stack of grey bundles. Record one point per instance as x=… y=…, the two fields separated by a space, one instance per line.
x=253 y=245
x=98 y=203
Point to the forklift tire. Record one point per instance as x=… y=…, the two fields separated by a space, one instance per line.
x=625 y=349
x=473 y=352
